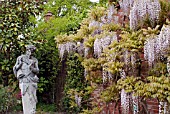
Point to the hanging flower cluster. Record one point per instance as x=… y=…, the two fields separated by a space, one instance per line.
x=127 y=57
x=163 y=41
x=126 y=5
x=66 y=47
x=102 y=43
x=95 y=24
x=157 y=46
x=78 y=100
x=125 y=97
x=143 y=9
x=149 y=50
x=106 y=75
x=111 y=10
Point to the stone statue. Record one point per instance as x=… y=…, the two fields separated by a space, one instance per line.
x=26 y=70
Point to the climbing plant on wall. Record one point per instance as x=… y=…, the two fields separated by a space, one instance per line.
x=114 y=54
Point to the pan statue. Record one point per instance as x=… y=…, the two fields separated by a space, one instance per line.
x=26 y=70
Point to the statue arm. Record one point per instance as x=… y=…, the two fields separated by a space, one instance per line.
x=35 y=68
x=18 y=64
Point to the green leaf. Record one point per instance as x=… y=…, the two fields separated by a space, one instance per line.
x=168 y=98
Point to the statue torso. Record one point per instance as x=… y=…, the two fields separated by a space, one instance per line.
x=25 y=71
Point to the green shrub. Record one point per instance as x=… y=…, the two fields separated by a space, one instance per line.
x=46 y=107
x=7 y=99
x=75 y=85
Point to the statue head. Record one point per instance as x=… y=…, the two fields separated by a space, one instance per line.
x=30 y=50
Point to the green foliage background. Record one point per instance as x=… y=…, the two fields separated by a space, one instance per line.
x=15 y=33
x=75 y=85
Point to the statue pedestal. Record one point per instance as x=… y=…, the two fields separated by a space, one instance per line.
x=29 y=99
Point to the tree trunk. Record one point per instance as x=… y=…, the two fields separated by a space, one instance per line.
x=60 y=82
